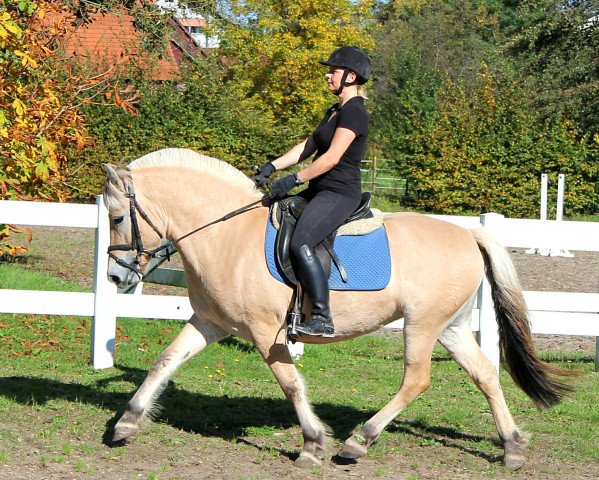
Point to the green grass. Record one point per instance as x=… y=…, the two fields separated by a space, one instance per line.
x=16 y=278
x=50 y=397
x=585 y=218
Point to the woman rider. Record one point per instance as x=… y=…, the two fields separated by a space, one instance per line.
x=334 y=188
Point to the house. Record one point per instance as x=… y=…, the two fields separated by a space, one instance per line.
x=110 y=39
x=193 y=23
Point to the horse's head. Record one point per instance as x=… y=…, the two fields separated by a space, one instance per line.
x=130 y=229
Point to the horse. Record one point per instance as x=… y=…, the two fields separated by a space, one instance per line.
x=194 y=201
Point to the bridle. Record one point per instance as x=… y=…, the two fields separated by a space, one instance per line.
x=136 y=244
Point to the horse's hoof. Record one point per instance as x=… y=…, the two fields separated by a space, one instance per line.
x=353 y=449
x=514 y=462
x=122 y=433
x=307 y=460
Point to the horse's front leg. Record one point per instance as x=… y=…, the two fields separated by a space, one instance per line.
x=194 y=337
x=276 y=354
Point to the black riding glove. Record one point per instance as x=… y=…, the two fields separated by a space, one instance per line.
x=262 y=176
x=280 y=187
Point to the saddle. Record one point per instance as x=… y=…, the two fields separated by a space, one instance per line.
x=287 y=212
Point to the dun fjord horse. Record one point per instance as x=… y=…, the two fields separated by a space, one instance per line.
x=437 y=268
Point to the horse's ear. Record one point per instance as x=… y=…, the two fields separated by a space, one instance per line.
x=111 y=174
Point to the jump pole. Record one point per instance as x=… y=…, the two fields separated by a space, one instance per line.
x=543 y=196
x=559 y=214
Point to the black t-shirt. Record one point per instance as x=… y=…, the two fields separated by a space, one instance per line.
x=343 y=178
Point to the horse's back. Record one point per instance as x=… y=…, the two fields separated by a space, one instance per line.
x=422 y=232
x=435 y=263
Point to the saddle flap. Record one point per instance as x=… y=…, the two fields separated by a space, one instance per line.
x=288 y=212
x=366 y=259
x=284 y=216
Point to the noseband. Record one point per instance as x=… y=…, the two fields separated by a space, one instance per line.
x=136 y=244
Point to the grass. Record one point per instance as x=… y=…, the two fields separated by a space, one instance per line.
x=14 y=277
x=585 y=218
x=57 y=412
x=49 y=390
x=394 y=201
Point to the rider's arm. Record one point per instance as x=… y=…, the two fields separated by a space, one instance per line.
x=297 y=154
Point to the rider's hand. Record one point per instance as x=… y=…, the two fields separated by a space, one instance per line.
x=262 y=176
x=280 y=187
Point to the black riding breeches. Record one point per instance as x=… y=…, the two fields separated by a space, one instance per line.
x=325 y=212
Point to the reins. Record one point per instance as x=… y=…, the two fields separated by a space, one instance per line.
x=137 y=243
x=224 y=218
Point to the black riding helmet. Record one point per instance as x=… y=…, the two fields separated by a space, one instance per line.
x=351 y=59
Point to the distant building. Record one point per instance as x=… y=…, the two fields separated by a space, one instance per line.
x=112 y=39
x=193 y=23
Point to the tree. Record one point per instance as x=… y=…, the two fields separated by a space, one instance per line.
x=40 y=102
x=274 y=47
x=471 y=126
x=420 y=45
x=202 y=111
x=556 y=43
x=487 y=147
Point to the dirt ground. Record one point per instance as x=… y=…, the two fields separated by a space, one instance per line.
x=215 y=458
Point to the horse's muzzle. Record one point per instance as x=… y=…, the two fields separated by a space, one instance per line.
x=122 y=277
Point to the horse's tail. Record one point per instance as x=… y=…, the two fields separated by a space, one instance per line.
x=536 y=378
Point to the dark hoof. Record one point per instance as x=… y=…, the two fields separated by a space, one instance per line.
x=307 y=460
x=339 y=460
x=352 y=449
x=123 y=433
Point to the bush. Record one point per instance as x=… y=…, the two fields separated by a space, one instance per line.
x=486 y=151
x=201 y=112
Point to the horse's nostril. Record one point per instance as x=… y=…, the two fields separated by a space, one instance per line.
x=115 y=279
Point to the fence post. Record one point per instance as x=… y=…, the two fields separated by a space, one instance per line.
x=488 y=333
x=373 y=188
x=104 y=322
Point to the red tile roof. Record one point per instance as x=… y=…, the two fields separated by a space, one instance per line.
x=192 y=22
x=112 y=38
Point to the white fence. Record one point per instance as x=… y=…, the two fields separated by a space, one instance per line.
x=557 y=313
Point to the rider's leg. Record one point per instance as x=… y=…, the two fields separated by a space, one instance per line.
x=310 y=274
x=325 y=212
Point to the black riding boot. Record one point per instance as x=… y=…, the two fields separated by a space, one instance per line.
x=310 y=274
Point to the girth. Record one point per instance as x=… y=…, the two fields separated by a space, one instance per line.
x=288 y=213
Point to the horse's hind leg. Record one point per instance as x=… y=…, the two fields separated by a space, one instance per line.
x=194 y=337
x=314 y=431
x=460 y=342
x=419 y=345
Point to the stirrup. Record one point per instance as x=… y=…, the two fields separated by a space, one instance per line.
x=316 y=327
x=294 y=316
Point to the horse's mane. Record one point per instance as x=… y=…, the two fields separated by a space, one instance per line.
x=176 y=157
x=184 y=157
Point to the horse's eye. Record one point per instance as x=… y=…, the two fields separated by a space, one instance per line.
x=118 y=220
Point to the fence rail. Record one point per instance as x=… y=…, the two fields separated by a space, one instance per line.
x=376 y=177
x=557 y=313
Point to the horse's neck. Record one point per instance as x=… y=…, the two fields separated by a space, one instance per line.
x=187 y=201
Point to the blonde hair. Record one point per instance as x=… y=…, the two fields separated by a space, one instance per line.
x=362 y=91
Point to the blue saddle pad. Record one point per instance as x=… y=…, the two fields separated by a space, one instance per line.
x=366 y=260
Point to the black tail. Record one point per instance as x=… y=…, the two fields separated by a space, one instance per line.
x=536 y=378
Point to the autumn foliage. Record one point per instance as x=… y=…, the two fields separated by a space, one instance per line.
x=41 y=94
